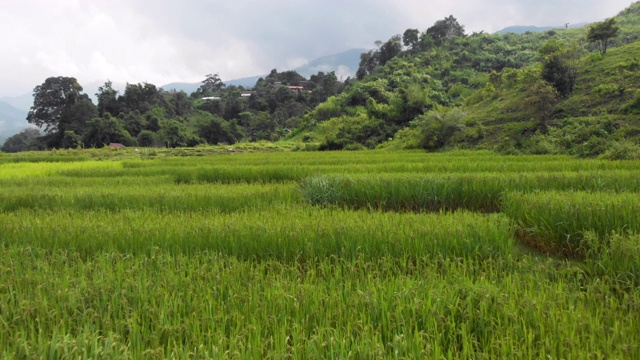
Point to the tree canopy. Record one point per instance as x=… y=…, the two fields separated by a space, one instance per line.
x=602 y=32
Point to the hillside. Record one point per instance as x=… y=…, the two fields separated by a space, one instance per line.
x=555 y=91
x=492 y=91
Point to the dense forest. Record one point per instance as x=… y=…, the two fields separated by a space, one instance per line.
x=573 y=91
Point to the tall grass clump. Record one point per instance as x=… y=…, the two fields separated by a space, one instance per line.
x=615 y=258
x=558 y=221
x=434 y=192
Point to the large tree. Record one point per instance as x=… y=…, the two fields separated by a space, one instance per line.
x=59 y=106
x=26 y=140
x=411 y=38
x=602 y=32
x=446 y=28
x=210 y=85
x=107 y=100
x=53 y=101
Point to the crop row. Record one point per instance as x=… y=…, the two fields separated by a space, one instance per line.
x=478 y=192
x=59 y=304
x=287 y=233
x=146 y=193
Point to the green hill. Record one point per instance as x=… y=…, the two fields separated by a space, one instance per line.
x=547 y=92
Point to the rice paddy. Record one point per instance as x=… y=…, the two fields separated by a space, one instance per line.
x=319 y=255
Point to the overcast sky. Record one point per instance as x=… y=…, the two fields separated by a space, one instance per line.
x=164 y=41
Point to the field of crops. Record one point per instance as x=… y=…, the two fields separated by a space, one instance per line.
x=460 y=255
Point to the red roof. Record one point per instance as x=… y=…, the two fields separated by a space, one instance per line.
x=116 y=146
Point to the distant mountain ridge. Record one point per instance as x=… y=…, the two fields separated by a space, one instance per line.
x=345 y=64
x=521 y=29
x=12 y=120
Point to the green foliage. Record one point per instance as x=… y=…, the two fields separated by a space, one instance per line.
x=346 y=130
x=104 y=130
x=25 y=140
x=439 y=126
x=118 y=259
x=622 y=150
x=560 y=70
x=602 y=33
x=444 y=29
x=146 y=138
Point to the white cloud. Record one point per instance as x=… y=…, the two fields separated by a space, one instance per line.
x=164 y=41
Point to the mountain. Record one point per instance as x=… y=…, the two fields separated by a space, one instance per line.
x=12 y=120
x=345 y=64
x=521 y=29
x=22 y=102
x=181 y=86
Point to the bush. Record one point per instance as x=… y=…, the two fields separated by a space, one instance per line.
x=622 y=150
x=437 y=127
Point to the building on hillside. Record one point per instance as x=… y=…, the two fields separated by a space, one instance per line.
x=116 y=146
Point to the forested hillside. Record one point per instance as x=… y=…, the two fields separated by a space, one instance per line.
x=560 y=91
x=572 y=91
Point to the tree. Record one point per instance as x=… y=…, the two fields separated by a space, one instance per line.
x=182 y=105
x=211 y=85
x=602 y=32
x=214 y=129
x=141 y=97
x=53 y=102
x=104 y=130
x=446 y=28
x=107 y=100
x=23 y=141
x=540 y=102
x=146 y=138
x=559 y=67
x=368 y=63
x=390 y=49
x=410 y=38
x=173 y=134
x=438 y=127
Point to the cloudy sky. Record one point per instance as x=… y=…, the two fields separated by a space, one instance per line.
x=164 y=41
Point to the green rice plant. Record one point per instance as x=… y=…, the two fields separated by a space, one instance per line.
x=147 y=195
x=30 y=169
x=617 y=257
x=434 y=192
x=60 y=304
x=558 y=221
x=245 y=174
x=286 y=232
x=40 y=159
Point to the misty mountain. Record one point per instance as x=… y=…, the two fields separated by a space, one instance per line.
x=12 y=120
x=345 y=64
x=521 y=29
x=22 y=102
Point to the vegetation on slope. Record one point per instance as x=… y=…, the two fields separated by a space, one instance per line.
x=572 y=91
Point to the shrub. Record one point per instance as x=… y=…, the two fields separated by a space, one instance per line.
x=622 y=150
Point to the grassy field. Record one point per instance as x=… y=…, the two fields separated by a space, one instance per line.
x=299 y=255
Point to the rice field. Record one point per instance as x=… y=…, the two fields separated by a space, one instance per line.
x=371 y=254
